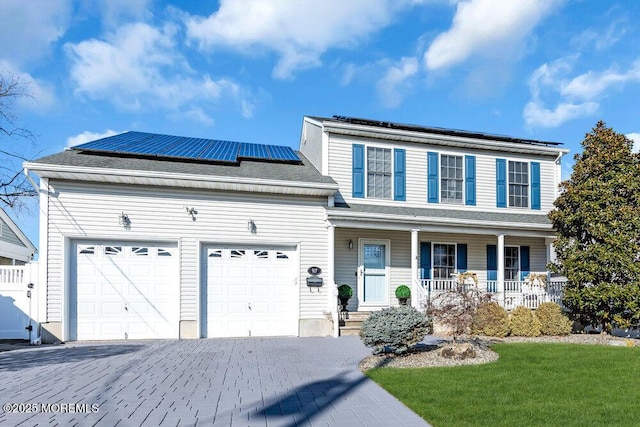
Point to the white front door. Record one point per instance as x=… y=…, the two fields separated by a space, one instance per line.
x=373 y=277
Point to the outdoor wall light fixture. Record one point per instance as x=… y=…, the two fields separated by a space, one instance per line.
x=124 y=220
x=192 y=211
x=251 y=226
x=350 y=244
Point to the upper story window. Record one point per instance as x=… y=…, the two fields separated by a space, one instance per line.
x=518 y=184
x=379 y=172
x=451 y=179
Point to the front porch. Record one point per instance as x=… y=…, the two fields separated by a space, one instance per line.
x=375 y=261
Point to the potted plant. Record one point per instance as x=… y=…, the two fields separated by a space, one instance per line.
x=403 y=293
x=344 y=293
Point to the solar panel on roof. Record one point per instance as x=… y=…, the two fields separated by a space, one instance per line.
x=153 y=146
x=256 y=151
x=165 y=146
x=278 y=152
x=112 y=143
x=188 y=148
x=223 y=151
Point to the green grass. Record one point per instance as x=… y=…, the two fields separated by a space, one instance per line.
x=530 y=385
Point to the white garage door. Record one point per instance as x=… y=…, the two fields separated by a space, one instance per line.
x=124 y=291
x=251 y=292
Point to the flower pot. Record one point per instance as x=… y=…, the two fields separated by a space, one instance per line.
x=343 y=303
x=403 y=301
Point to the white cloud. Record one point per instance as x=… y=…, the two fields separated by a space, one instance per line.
x=577 y=96
x=493 y=28
x=88 y=136
x=115 y=12
x=396 y=80
x=591 y=85
x=139 y=67
x=298 y=31
x=537 y=115
x=28 y=28
x=635 y=137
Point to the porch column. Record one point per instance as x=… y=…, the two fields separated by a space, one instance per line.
x=332 y=290
x=500 y=256
x=414 y=268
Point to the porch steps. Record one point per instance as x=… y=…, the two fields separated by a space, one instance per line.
x=351 y=321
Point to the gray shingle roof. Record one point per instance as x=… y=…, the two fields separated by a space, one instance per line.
x=429 y=213
x=304 y=172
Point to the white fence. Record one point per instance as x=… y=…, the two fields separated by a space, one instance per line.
x=18 y=301
x=515 y=293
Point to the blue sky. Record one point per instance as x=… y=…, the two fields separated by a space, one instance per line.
x=248 y=70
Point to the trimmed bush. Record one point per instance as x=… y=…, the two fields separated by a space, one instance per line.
x=345 y=291
x=403 y=291
x=492 y=320
x=395 y=329
x=552 y=320
x=524 y=323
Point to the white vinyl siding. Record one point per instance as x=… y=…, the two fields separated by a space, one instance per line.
x=7 y=235
x=311 y=144
x=341 y=168
x=82 y=211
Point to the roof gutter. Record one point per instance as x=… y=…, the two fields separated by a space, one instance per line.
x=35 y=186
x=102 y=175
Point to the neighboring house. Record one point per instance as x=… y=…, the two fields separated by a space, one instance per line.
x=154 y=236
x=15 y=247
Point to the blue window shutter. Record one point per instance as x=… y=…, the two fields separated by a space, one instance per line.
x=462 y=257
x=535 y=185
x=470 y=180
x=501 y=183
x=399 y=174
x=432 y=174
x=358 y=171
x=425 y=259
x=525 y=268
x=492 y=262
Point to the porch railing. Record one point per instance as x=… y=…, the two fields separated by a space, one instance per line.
x=515 y=293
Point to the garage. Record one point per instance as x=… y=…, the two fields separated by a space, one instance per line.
x=250 y=291
x=124 y=290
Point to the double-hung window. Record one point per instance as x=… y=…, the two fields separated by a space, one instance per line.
x=518 y=184
x=451 y=179
x=511 y=263
x=379 y=172
x=444 y=260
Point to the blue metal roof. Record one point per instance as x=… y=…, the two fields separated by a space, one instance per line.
x=142 y=144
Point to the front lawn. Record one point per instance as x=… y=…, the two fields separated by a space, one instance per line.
x=531 y=384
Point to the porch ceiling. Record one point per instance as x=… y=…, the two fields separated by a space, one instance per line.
x=445 y=220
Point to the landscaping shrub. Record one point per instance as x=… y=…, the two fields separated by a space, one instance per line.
x=394 y=329
x=491 y=319
x=524 y=323
x=552 y=320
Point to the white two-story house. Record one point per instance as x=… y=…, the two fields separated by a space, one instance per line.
x=417 y=205
x=155 y=236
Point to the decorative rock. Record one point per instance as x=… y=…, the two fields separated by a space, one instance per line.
x=458 y=351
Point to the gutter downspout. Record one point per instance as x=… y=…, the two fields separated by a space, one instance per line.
x=31 y=181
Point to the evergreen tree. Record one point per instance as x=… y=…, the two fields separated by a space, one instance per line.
x=597 y=219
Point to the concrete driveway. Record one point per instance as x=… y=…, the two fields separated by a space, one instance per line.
x=226 y=382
